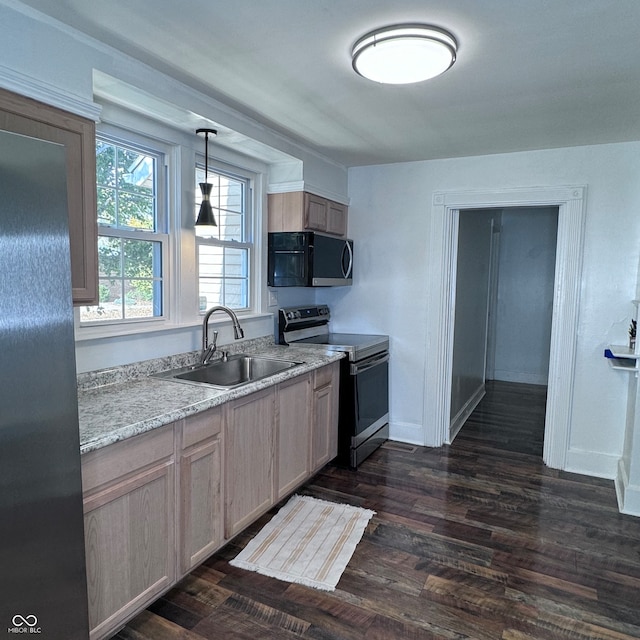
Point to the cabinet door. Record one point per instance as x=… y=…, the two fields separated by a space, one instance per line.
x=129 y=499
x=249 y=454
x=37 y=120
x=315 y=212
x=294 y=410
x=200 y=495
x=324 y=438
x=337 y=218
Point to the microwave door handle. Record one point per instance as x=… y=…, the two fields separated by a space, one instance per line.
x=347 y=247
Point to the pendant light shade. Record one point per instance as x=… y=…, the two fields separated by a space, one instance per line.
x=205 y=215
x=404 y=54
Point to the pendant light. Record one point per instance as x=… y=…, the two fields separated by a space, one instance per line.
x=404 y=54
x=205 y=215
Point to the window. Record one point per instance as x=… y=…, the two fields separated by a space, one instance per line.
x=132 y=234
x=224 y=252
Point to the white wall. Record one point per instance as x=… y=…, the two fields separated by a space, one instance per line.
x=526 y=271
x=389 y=219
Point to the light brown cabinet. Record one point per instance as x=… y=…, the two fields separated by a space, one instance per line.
x=293 y=434
x=38 y=120
x=225 y=467
x=199 y=441
x=302 y=211
x=248 y=459
x=129 y=527
x=324 y=437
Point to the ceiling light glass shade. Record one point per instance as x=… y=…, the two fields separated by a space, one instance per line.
x=404 y=54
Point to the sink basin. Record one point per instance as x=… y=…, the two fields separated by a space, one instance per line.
x=234 y=372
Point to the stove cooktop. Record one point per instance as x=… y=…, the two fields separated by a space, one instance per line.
x=357 y=345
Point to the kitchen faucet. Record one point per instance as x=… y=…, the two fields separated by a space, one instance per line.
x=209 y=349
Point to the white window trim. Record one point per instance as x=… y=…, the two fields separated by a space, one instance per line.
x=164 y=222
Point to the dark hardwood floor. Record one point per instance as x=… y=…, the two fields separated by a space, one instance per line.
x=477 y=540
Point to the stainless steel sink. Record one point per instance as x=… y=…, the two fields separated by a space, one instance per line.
x=226 y=374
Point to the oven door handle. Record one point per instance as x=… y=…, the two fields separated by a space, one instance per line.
x=374 y=361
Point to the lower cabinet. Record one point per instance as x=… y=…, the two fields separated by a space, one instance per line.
x=158 y=504
x=324 y=435
x=129 y=527
x=293 y=434
x=199 y=441
x=249 y=456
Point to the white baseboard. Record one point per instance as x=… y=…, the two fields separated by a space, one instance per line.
x=524 y=378
x=406 y=432
x=628 y=495
x=464 y=413
x=592 y=463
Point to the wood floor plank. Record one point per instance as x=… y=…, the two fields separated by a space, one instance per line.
x=477 y=540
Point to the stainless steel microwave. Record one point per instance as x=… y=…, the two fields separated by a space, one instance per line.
x=309 y=259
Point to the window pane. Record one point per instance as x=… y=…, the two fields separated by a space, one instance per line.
x=106 y=206
x=109 y=257
x=227 y=194
x=223 y=277
x=105 y=164
x=137 y=212
x=130 y=283
x=230 y=226
x=228 y=203
x=236 y=263
x=136 y=172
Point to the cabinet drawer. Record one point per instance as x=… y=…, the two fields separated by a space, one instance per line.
x=201 y=426
x=117 y=461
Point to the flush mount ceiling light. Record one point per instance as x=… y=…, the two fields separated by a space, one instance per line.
x=205 y=215
x=404 y=54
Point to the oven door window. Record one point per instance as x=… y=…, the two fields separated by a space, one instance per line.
x=370 y=389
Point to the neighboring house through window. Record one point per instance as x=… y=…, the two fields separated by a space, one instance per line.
x=224 y=252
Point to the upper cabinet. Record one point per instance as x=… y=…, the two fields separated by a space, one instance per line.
x=302 y=211
x=38 y=120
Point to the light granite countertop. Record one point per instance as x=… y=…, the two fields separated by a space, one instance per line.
x=119 y=403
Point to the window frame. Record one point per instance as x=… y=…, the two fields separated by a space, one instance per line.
x=162 y=153
x=249 y=178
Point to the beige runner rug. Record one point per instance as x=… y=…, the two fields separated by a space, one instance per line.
x=309 y=541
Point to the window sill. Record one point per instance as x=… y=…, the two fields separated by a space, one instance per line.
x=88 y=333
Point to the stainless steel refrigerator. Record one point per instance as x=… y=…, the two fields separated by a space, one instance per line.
x=42 y=564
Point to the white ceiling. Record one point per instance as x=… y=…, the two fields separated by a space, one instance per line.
x=530 y=74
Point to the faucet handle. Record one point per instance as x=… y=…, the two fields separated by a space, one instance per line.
x=215 y=339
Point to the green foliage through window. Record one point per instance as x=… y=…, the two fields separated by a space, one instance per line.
x=129 y=253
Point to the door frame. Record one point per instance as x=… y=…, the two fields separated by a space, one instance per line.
x=571 y=203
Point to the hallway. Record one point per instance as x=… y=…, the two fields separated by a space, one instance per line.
x=475 y=540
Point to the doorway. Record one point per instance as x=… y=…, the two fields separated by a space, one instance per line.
x=504 y=289
x=440 y=312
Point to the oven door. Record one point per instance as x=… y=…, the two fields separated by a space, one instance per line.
x=366 y=406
